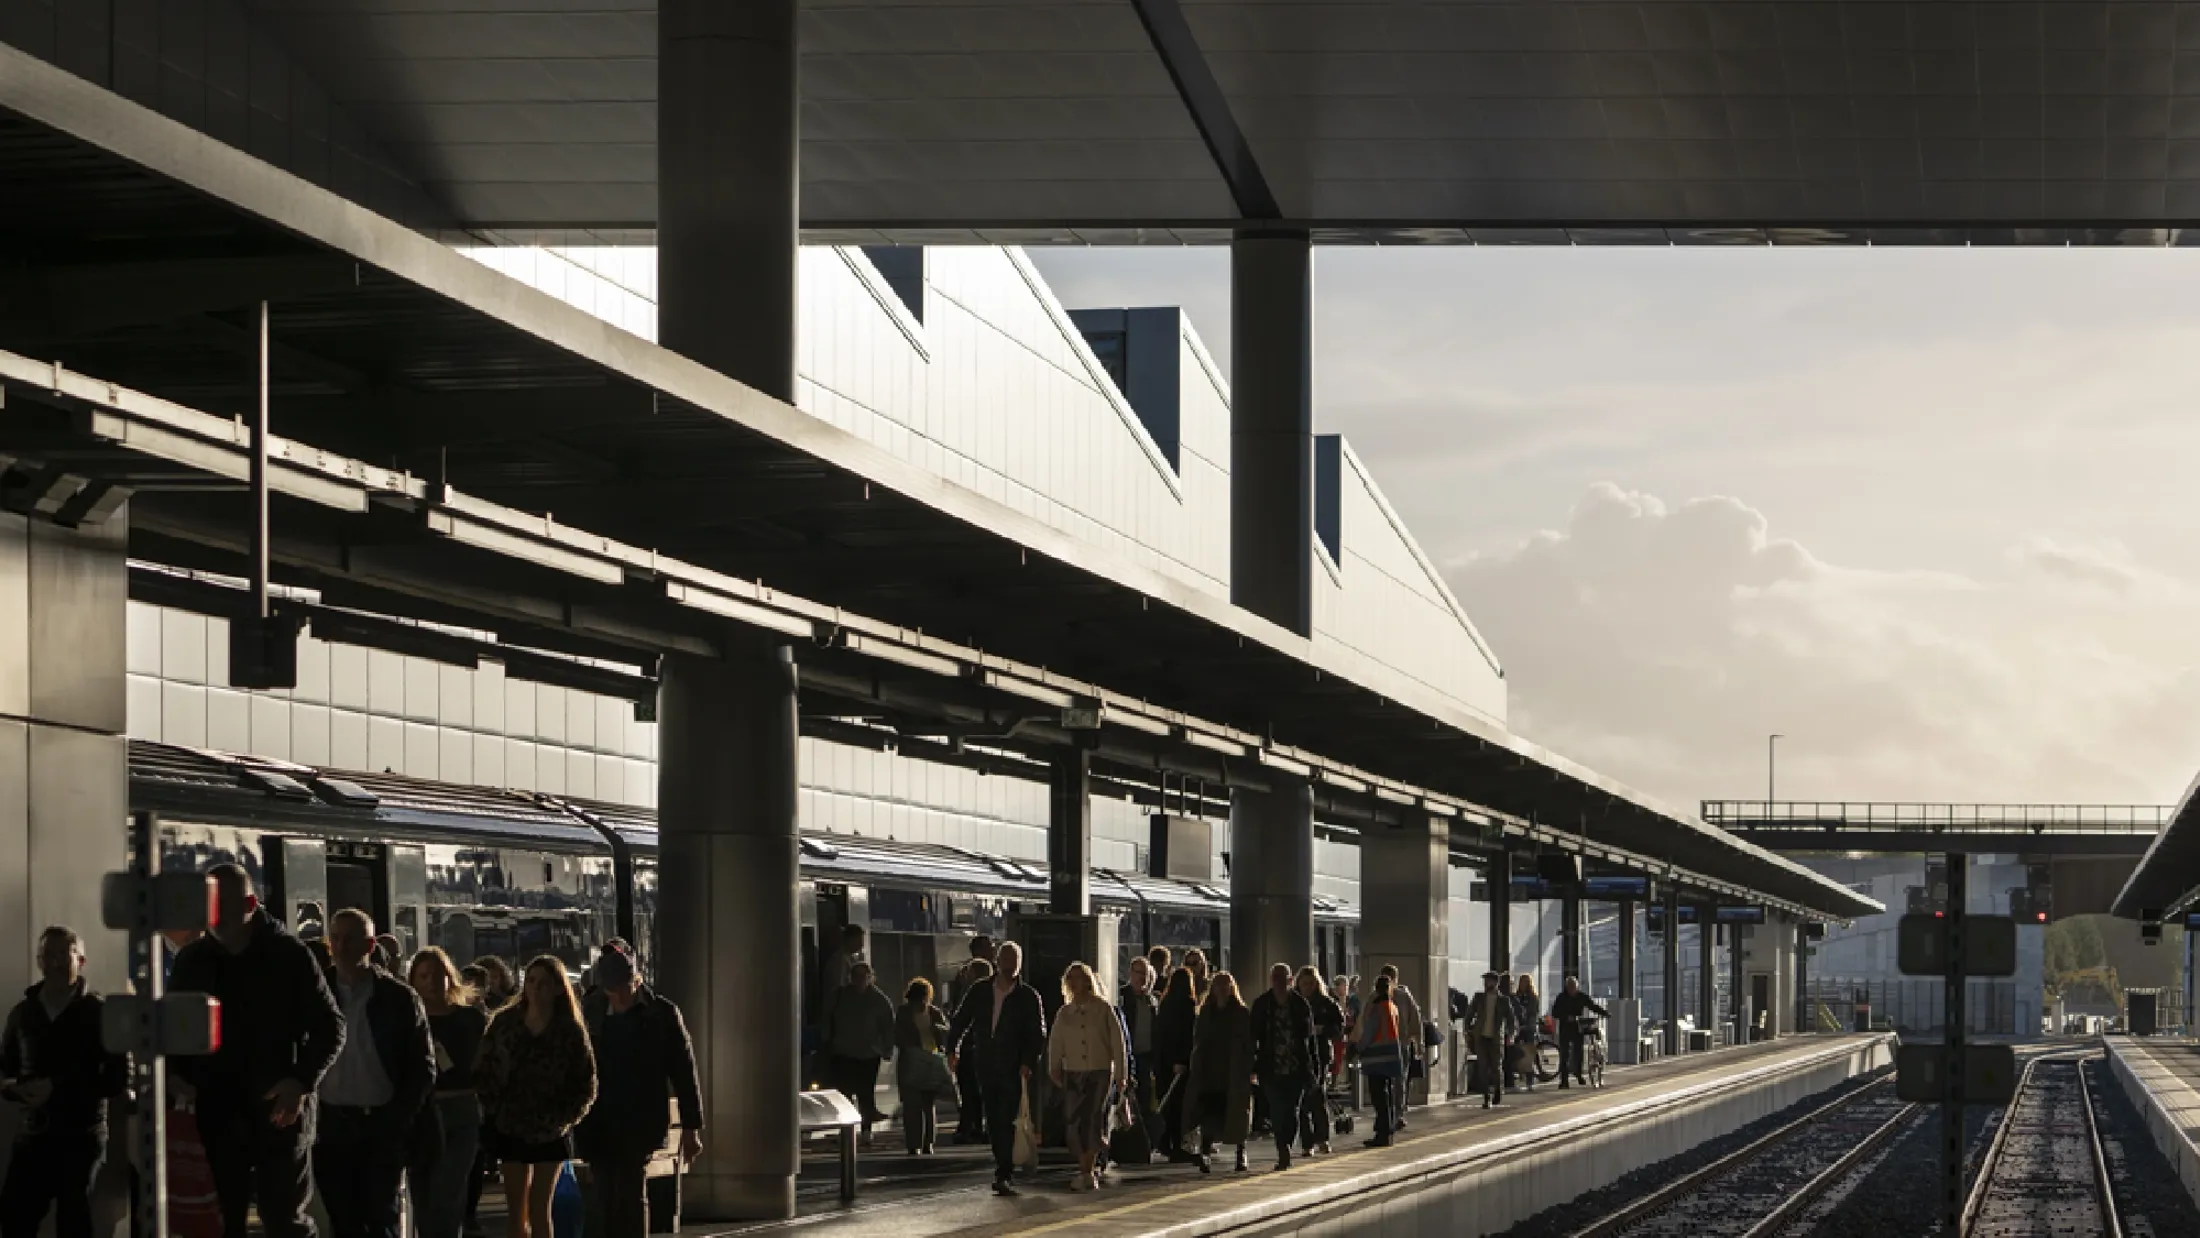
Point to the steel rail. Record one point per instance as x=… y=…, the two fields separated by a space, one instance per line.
x=1991 y=1161
x=2111 y=1225
x=1834 y=1174
x=1664 y=1196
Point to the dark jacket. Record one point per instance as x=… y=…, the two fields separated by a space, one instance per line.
x=1297 y=1050
x=1328 y=1025
x=1129 y=1002
x=458 y=1033
x=1020 y=1041
x=1527 y=1012
x=1567 y=1007
x=399 y=1025
x=1172 y=1031
x=1222 y=1063
x=279 y=1020
x=67 y=1052
x=660 y=1060
x=534 y=1088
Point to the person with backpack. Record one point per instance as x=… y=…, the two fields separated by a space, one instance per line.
x=1382 y=1058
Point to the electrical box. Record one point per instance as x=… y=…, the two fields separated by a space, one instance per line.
x=1989 y=946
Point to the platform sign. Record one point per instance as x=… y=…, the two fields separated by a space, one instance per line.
x=1989 y=946
x=1989 y=1073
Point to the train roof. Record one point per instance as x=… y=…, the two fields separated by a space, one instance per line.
x=230 y=789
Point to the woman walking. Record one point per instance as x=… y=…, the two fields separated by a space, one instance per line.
x=920 y=1067
x=1220 y=1081
x=1528 y=1009
x=1382 y=1058
x=457 y=1024
x=1172 y=1055
x=537 y=1079
x=1086 y=1059
x=1328 y=1050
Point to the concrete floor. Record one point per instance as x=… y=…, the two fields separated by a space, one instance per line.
x=1152 y=1198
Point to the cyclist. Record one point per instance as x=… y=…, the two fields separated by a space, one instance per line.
x=1569 y=1008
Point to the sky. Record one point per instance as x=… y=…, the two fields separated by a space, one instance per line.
x=1924 y=512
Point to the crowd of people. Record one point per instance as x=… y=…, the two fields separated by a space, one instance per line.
x=339 y=1088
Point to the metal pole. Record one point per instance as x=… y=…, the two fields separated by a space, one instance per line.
x=1772 y=754
x=258 y=476
x=1500 y=882
x=149 y=1073
x=1951 y=1105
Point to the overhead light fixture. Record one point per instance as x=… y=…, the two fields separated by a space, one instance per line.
x=736 y=609
x=1026 y=689
x=1213 y=743
x=1135 y=722
x=1330 y=779
x=512 y=545
x=900 y=655
x=1287 y=765
x=1389 y=796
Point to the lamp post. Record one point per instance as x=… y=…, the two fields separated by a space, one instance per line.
x=1772 y=756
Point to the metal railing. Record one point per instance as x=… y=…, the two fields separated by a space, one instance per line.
x=1891 y=816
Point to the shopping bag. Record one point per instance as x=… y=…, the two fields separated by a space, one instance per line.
x=1129 y=1145
x=194 y=1211
x=1027 y=1136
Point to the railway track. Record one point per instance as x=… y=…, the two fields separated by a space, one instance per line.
x=1754 y=1191
x=2045 y=1175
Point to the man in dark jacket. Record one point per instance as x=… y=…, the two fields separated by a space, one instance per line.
x=1140 y=1007
x=52 y=1064
x=280 y=1030
x=1003 y=1024
x=1567 y=1008
x=643 y=1055
x=1283 y=1038
x=375 y=1092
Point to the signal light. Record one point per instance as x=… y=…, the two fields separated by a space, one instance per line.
x=2042 y=917
x=1939 y=915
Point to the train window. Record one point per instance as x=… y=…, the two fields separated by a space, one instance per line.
x=900 y=911
x=351 y=884
x=549 y=873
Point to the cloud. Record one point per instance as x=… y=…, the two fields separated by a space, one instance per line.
x=1662 y=643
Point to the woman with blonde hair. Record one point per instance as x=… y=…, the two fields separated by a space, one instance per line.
x=456 y=1022
x=1528 y=1009
x=920 y=1065
x=537 y=1080
x=1086 y=1060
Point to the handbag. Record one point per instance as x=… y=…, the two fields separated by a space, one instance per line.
x=922 y=1071
x=1129 y=1145
x=1027 y=1139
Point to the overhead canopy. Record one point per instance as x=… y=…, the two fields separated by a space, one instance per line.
x=135 y=253
x=2169 y=873
x=1166 y=120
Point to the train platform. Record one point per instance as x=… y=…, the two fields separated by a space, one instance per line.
x=2162 y=1078
x=1456 y=1169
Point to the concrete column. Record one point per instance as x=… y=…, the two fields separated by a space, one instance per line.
x=64 y=761
x=1626 y=948
x=1069 y=832
x=1672 y=945
x=1272 y=881
x=726 y=919
x=1272 y=428
x=1707 y=976
x=1803 y=1022
x=728 y=187
x=1501 y=916
x=1570 y=932
x=1405 y=910
x=1737 y=989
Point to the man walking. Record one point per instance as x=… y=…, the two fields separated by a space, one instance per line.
x=1138 y=1005
x=53 y=1065
x=1004 y=1025
x=376 y=1091
x=1491 y=1022
x=1567 y=1008
x=280 y=1030
x=643 y=1054
x=1283 y=1038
